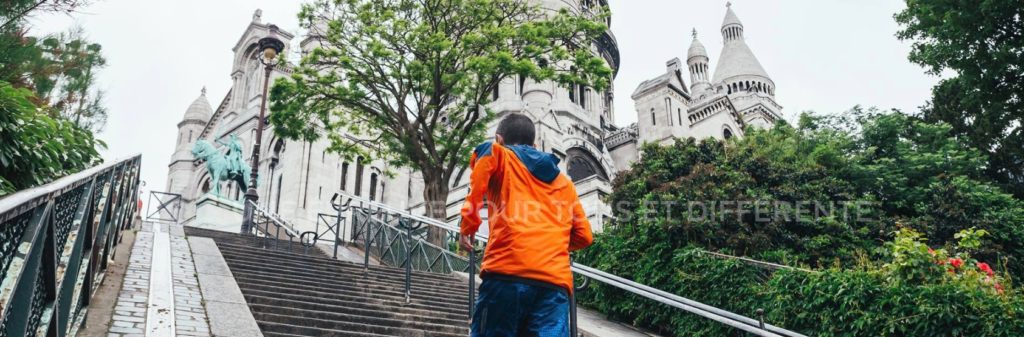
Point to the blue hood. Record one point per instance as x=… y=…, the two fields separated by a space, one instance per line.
x=542 y=165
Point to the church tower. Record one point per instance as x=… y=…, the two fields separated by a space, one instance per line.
x=738 y=69
x=180 y=170
x=697 y=61
x=740 y=76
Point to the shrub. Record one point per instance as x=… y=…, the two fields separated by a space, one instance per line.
x=921 y=292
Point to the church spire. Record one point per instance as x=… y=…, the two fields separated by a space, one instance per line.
x=732 y=28
x=738 y=69
x=697 y=62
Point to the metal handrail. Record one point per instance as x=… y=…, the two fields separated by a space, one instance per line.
x=275 y=219
x=279 y=224
x=750 y=325
x=55 y=243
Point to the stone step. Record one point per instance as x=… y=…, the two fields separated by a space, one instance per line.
x=356 y=284
x=327 y=261
x=238 y=238
x=343 y=328
x=293 y=294
x=328 y=279
x=274 y=329
x=356 y=300
x=381 y=319
x=393 y=275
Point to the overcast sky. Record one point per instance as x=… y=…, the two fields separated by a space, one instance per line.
x=824 y=56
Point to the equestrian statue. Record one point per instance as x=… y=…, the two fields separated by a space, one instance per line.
x=228 y=166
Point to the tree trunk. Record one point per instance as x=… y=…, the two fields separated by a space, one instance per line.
x=435 y=198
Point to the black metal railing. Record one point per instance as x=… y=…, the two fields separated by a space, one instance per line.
x=164 y=207
x=55 y=241
x=270 y=231
x=398 y=238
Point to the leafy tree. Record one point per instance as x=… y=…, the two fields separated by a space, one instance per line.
x=37 y=148
x=844 y=183
x=407 y=80
x=14 y=11
x=48 y=104
x=64 y=76
x=982 y=43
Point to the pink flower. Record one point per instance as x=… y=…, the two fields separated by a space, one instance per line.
x=999 y=288
x=985 y=268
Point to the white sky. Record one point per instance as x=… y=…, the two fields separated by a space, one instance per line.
x=824 y=55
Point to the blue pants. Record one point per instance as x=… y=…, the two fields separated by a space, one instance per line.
x=513 y=309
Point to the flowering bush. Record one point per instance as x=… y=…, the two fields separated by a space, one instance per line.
x=918 y=291
x=914 y=262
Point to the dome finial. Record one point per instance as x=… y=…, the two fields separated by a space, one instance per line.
x=694 y=33
x=203 y=92
x=728 y=4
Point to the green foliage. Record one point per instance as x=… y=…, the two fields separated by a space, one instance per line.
x=827 y=190
x=49 y=106
x=61 y=70
x=874 y=273
x=864 y=303
x=406 y=81
x=982 y=43
x=64 y=76
x=37 y=148
x=892 y=299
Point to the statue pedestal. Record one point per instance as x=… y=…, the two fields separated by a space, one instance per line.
x=218 y=213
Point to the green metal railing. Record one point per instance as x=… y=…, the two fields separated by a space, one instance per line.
x=396 y=238
x=55 y=241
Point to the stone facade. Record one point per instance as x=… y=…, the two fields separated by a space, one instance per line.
x=738 y=95
x=298 y=179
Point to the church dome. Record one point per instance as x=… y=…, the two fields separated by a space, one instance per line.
x=696 y=49
x=199 y=109
x=730 y=17
x=736 y=59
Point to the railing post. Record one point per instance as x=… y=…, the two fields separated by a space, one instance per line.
x=472 y=276
x=367 y=236
x=408 y=259
x=573 y=331
x=337 y=231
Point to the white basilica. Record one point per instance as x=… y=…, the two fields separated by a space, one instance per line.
x=298 y=179
x=721 y=104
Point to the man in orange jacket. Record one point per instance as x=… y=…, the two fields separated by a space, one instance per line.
x=535 y=220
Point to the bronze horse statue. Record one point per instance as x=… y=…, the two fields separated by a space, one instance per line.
x=228 y=166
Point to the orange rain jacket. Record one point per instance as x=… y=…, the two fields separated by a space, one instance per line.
x=534 y=214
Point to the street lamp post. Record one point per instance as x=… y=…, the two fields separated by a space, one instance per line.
x=270 y=46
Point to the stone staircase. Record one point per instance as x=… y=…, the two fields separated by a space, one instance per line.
x=293 y=294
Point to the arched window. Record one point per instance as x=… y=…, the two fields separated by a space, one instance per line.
x=727 y=133
x=359 y=176
x=654 y=118
x=277 y=201
x=344 y=176
x=581 y=165
x=373 y=186
x=190 y=136
x=679 y=114
x=583 y=96
x=668 y=110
